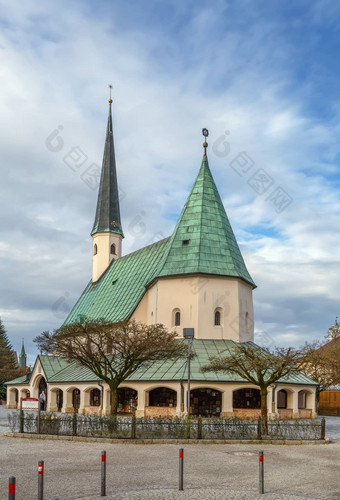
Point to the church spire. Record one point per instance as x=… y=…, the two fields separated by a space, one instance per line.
x=107 y=232
x=107 y=217
x=22 y=357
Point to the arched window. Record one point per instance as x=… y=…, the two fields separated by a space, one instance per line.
x=95 y=397
x=113 y=249
x=95 y=249
x=218 y=316
x=177 y=318
x=282 y=399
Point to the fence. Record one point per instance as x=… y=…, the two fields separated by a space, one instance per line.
x=163 y=428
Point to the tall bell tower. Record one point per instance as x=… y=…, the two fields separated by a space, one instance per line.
x=107 y=233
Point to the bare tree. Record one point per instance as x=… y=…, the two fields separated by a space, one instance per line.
x=258 y=366
x=321 y=362
x=113 y=351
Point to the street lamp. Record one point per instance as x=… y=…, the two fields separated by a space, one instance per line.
x=188 y=333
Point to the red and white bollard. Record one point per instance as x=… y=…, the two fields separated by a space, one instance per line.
x=261 y=473
x=103 y=475
x=11 y=488
x=181 y=468
x=41 y=480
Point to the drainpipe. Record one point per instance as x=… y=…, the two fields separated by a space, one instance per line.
x=273 y=386
x=182 y=395
x=102 y=396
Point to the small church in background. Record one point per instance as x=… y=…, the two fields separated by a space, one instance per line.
x=196 y=278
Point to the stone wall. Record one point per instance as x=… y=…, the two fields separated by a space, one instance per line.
x=305 y=413
x=286 y=413
x=247 y=413
x=160 y=411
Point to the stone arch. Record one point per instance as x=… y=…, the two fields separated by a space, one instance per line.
x=285 y=402
x=163 y=396
x=305 y=403
x=56 y=399
x=73 y=399
x=127 y=399
x=13 y=400
x=206 y=401
x=247 y=402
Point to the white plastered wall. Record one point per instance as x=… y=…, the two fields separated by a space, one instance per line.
x=197 y=298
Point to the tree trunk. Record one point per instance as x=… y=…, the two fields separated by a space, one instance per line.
x=264 y=411
x=317 y=401
x=114 y=401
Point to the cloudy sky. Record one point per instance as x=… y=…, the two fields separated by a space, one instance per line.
x=262 y=76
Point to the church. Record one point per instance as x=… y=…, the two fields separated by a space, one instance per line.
x=195 y=279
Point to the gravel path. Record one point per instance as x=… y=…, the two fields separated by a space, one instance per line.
x=150 y=471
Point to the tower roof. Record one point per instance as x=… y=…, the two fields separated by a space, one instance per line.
x=203 y=240
x=108 y=214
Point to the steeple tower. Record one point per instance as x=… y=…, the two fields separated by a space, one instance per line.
x=22 y=357
x=107 y=232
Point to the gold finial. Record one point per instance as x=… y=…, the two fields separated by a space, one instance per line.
x=205 y=132
x=110 y=100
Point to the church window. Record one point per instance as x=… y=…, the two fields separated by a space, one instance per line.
x=177 y=318
x=185 y=243
x=247 y=321
x=95 y=249
x=113 y=249
x=218 y=317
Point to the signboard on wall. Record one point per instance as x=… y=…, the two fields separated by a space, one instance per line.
x=30 y=404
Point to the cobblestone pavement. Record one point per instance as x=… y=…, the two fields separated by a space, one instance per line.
x=150 y=471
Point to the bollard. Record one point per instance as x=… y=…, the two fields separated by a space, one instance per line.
x=261 y=473
x=21 y=417
x=11 y=488
x=103 y=475
x=41 y=480
x=323 y=428
x=38 y=421
x=181 y=457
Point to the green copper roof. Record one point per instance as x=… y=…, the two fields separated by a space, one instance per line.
x=175 y=370
x=117 y=293
x=203 y=240
x=108 y=214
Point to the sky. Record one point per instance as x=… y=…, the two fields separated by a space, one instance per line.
x=261 y=76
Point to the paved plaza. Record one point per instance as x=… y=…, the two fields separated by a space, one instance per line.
x=150 y=471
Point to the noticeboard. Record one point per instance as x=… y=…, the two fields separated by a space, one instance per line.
x=30 y=404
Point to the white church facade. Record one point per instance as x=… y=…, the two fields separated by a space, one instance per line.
x=196 y=279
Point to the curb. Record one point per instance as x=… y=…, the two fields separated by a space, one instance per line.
x=160 y=441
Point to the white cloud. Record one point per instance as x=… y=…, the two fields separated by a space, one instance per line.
x=168 y=83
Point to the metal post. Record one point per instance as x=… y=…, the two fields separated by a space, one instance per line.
x=38 y=422
x=261 y=473
x=11 y=488
x=21 y=418
x=181 y=459
x=103 y=475
x=133 y=426
x=188 y=395
x=323 y=428
x=41 y=480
